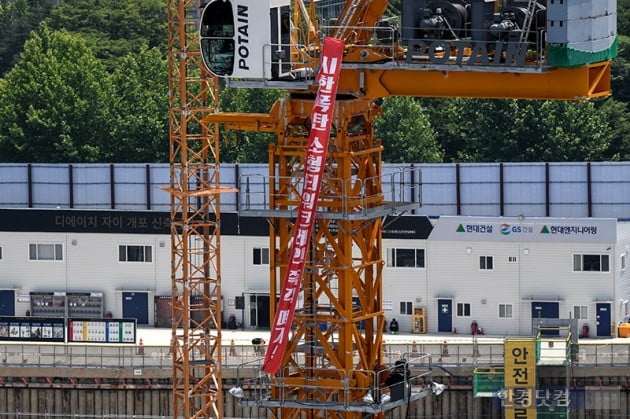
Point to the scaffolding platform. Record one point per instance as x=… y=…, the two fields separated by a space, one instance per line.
x=363 y=407
x=335 y=389
x=352 y=199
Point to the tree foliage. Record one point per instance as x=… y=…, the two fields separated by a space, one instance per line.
x=91 y=86
x=17 y=19
x=620 y=82
x=623 y=17
x=59 y=104
x=114 y=28
x=406 y=132
x=525 y=130
x=447 y=120
x=616 y=116
x=514 y=130
x=139 y=108
x=54 y=103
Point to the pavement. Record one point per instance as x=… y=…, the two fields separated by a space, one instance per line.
x=152 y=336
x=161 y=337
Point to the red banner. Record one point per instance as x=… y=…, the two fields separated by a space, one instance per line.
x=321 y=121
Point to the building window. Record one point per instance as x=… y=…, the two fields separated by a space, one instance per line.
x=463 y=309
x=45 y=252
x=505 y=311
x=261 y=256
x=591 y=263
x=405 y=258
x=512 y=259
x=0 y=252
x=622 y=262
x=406 y=307
x=486 y=262
x=580 y=312
x=127 y=253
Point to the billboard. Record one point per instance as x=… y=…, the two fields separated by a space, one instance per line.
x=528 y=229
x=102 y=330
x=32 y=329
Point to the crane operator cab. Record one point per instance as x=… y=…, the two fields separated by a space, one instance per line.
x=238 y=42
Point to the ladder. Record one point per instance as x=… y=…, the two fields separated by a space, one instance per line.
x=527 y=23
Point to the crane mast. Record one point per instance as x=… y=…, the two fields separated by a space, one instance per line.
x=195 y=220
x=333 y=365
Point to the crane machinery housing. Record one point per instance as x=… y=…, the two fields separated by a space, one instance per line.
x=449 y=48
x=333 y=365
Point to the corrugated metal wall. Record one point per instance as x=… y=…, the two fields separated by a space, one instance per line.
x=491 y=189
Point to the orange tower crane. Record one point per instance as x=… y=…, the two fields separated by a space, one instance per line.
x=333 y=365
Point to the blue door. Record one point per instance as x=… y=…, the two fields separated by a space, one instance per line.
x=136 y=306
x=7 y=303
x=445 y=316
x=603 y=319
x=546 y=310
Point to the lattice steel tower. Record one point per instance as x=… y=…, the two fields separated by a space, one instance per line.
x=195 y=231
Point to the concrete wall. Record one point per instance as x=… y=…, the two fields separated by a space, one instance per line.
x=606 y=398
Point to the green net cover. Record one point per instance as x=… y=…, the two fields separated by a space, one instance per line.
x=565 y=56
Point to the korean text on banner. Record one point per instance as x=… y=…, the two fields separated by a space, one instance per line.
x=321 y=121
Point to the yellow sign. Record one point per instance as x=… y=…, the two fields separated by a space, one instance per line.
x=520 y=379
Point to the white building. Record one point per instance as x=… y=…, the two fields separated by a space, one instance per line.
x=500 y=272
x=504 y=273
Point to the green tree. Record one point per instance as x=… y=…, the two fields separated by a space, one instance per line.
x=114 y=28
x=620 y=82
x=520 y=130
x=54 y=103
x=445 y=115
x=616 y=116
x=139 y=109
x=17 y=19
x=406 y=132
x=623 y=17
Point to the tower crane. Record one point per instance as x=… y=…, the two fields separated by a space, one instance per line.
x=333 y=364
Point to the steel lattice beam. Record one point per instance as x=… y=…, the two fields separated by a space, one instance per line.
x=342 y=285
x=195 y=230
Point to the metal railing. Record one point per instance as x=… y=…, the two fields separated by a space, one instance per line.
x=339 y=390
x=84 y=356
x=591 y=353
x=465 y=48
x=288 y=60
x=345 y=196
x=382 y=42
x=553 y=349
